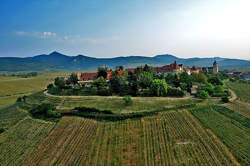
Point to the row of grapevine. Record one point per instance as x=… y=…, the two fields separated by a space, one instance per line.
x=66 y=143
x=233 y=134
x=17 y=143
x=173 y=138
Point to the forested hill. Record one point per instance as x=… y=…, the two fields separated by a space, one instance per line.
x=59 y=62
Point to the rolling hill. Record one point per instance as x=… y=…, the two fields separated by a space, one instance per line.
x=59 y=62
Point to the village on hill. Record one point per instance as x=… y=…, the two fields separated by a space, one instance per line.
x=174 y=68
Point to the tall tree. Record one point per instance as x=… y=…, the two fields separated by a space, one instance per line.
x=102 y=72
x=73 y=78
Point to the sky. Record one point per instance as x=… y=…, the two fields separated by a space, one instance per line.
x=112 y=28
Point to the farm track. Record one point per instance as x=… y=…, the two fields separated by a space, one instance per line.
x=173 y=138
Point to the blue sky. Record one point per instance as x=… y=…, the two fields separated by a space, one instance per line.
x=111 y=28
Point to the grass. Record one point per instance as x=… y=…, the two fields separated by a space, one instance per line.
x=173 y=138
x=18 y=143
x=7 y=101
x=114 y=104
x=15 y=85
x=242 y=90
x=231 y=127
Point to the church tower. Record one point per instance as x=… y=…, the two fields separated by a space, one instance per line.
x=215 y=67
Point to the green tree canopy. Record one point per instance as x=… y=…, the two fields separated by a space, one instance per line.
x=59 y=82
x=145 y=79
x=73 y=78
x=159 y=88
x=102 y=72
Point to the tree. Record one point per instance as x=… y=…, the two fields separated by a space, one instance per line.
x=102 y=72
x=149 y=69
x=128 y=100
x=209 y=88
x=59 y=82
x=176 y=81
x=215 y=80
x=145 y=79
x=100 y=82
x=73 y=78
x=203 y=94
x=185 y=81
x=199 y=77
x=133 y=84
x=119 y=68
x=170 y=78
x=159 y=88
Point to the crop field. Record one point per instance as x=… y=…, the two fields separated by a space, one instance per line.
x=242 y=90
x=18 y=142
x=9 y=116
x=240 y=107
x=232 y=128
x=173 y=138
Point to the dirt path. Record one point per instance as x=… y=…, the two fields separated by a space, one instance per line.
x=234 y=96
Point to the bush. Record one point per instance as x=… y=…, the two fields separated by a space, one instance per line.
x=53 y=114
x=92 y=110
x=50 y=86
x=44 y=110
x=103 y=92
x=225 y=99
x=128 y=100
x=203 y=94
x=1 y=130
x=175 y=92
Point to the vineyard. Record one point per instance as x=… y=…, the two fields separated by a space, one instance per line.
x=173 y=138
x=11 y=115
x=17 y=143
x=231 y=128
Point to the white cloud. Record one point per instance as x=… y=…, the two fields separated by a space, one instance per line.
x=68 y=39
x=42 y=35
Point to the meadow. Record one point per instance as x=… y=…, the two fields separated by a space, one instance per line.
x=114 y=103
x=16 y=85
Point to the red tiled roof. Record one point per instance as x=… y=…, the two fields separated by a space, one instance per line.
x=87 y=76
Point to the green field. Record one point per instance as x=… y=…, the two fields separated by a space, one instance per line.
x=18 y=143
x=204 y=135
x=173 y=138
x=232 y=128
x=242 y=90
x=114 y=104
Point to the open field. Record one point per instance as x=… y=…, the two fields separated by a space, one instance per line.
x=232 y=128
x=16 y=85
x=18 y=142
x=114 y=104
x=7 y=101
x=242 y=90
x=174 y=138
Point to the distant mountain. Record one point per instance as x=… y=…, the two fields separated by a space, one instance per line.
x=59 y=62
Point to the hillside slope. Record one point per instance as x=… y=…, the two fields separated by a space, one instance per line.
x=59 y=62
